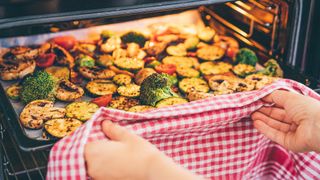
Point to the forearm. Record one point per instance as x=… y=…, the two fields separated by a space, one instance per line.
x=163 y=167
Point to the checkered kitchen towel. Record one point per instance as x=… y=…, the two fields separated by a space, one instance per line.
x=212 y=137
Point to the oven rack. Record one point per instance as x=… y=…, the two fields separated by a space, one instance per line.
x=18 y=164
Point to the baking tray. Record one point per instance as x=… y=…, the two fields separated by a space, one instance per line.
x=31 y=140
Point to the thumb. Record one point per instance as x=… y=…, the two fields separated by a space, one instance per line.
x=115 y=132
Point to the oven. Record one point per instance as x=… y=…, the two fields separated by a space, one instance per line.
x=286 y=30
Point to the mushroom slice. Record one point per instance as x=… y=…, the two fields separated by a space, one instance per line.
x=67 y=91
x=39 y=111
x=96 y=73
x=13 y=68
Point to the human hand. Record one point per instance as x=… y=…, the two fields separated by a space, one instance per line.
x=293 y=122
x=128 y=156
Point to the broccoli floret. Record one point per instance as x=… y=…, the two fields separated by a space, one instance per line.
x=134 y=37
x=41 y=85
x=172 y=80
x=272 y=68
x=246 y=56
x=106 y=34
x=155 y=88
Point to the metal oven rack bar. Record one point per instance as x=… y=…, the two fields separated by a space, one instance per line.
x=17 y=164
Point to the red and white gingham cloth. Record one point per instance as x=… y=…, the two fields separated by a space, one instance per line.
x=212 y=137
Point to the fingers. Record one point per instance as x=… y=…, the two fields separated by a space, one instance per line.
x=279 y=97
x=273 y=123
x=115 y=132
x=275 y=113
x=271 y=133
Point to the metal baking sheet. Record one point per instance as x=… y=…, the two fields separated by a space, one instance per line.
x=188 y=20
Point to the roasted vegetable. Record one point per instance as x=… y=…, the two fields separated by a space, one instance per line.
x=140 y=108
x=272 y=68
x=86 y=48
x=153 y=64
x=67 y=42
x=191 y=43
x=85 y=61
x=246 y=56
x=171 y=102
x=259 y=80
x=45 y=60
x=39 y=86
x=134 y=37
x=123 y=103
x=166 y=68
x=105 y=60
x=102 y=101
x=81 y=110
x=179 y=61
x=206 y=34
x=96 y=72
x=111 y=44
x=143 y=74
x=67 y=91
x=61 y=127
x=212 y=68
x=210 y=53
x=58 y=72
x=12 y=68
x=37 y=112
x=13 y=91
x=122 y=79
x=101 y=87
x=178 y=50
x=155 y=88
x=130 y=64
x=243 y=70
x=188 y=84
x=130 y=90
x=187 y=72
x=106 y=34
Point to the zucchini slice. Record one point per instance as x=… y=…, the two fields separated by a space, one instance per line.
x=243 y=70
x=170 y=102
x=196 y=84
x=61 y=127
x=58 y=72
x=178 y=50
x=130 y=64
x=131 y=90
x=101 y=87
x=140 y=108
x=206 y=34
x=187 y=72
x=191 y=42
x=212 y=68
x=123 y=103
x=81 y=110
x=122 y=79
x=179 y=61
x=210 y=53
x=13 y=91
x=105 y=60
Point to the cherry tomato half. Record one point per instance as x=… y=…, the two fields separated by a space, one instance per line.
x=103 y=100
x=66 y=42
x=232 y=52
x=45 y=60
x=166 y=68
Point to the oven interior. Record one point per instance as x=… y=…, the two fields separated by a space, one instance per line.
x=273 y=28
